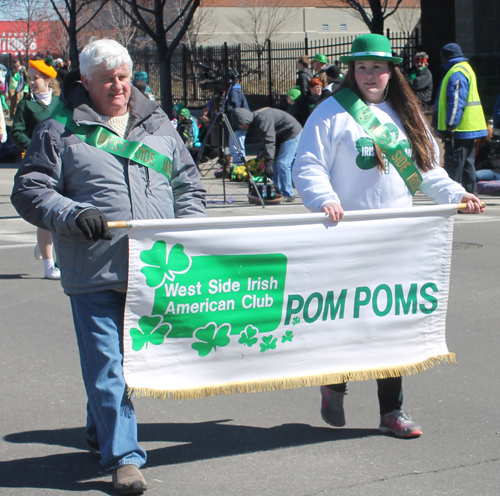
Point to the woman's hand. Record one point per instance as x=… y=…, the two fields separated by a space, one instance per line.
x=473 y=204
x=334 y=210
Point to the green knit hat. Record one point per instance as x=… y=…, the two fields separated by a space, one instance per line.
x=371 y=47
x=294 y=93
x=185 y=113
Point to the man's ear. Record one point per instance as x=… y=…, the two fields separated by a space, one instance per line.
x=85 y=83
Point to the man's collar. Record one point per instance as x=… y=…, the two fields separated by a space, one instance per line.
x=451 y=62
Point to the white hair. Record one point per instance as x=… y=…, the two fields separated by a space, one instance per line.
x=107 y=52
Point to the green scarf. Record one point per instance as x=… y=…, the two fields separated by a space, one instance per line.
x=103 y=139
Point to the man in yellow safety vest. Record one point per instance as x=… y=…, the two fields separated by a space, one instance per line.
x=458 y=116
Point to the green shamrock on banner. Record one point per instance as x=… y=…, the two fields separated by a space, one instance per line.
x=160 y=266
x=268 y=343
x=248 y=336
x=210 y=337
x=150 y=332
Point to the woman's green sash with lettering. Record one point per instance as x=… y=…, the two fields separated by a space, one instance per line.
x=103 y=139
x=393 y=151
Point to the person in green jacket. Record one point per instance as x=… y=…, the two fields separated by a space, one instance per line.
x=36 y=106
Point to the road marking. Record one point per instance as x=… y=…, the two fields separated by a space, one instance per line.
x=459 y=219
x=25 y=245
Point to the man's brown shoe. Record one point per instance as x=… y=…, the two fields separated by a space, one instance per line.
x=128 y=480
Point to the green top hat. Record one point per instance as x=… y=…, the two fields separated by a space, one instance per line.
x=371 y=47
x=320 y=58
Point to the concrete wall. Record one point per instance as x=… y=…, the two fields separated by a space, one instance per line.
x=231 y=24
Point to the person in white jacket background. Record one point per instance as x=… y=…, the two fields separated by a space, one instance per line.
x=339 y=167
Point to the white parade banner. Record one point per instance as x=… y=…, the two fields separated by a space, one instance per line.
x=241 y=304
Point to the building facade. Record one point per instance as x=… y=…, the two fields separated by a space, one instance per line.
x=250 y=21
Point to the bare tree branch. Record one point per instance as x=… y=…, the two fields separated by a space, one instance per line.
x=179 y=16
x=166 y=24
x=124 y=28
x=74 y=18
x=201 y=28
x=92 y=16
x=186 y=22
x=264 y=21
x=408 y=18
x=136 y=12
x=140 y=7
x=59 y=14
x=372 y=12
x=59 y=40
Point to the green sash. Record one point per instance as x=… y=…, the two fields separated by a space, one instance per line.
x=393 y=151
x=103 y=139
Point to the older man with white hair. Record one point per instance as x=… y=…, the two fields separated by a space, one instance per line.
x=61 y=70
x=71 y=186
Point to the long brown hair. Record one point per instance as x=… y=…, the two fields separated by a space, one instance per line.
x=54 y=86
x=404 y=102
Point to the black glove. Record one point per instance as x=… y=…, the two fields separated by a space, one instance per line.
x=268 y=169
x=448 y=141
x=93 y=224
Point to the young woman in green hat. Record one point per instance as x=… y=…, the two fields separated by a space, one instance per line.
x=340 y=166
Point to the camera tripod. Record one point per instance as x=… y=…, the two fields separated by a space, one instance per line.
x=221 y=120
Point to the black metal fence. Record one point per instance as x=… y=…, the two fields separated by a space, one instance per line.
x=267 y=71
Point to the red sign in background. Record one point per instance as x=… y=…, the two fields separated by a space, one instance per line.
x=13 y=37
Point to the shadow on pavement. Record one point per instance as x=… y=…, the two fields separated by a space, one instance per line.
x=201 y=441
x=214 y=439
x=16 y=276
x=65 y=471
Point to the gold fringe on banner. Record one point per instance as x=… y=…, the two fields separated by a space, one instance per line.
x=292 y=383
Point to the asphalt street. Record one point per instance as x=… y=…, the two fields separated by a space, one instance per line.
x=260 y=444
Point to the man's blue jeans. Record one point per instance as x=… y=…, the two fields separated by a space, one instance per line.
x=487 y=175
x=233 y=150
x=98 y=319
x=282 y=170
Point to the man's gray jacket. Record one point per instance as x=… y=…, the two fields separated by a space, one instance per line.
x=272 y=126
x=61 y=173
